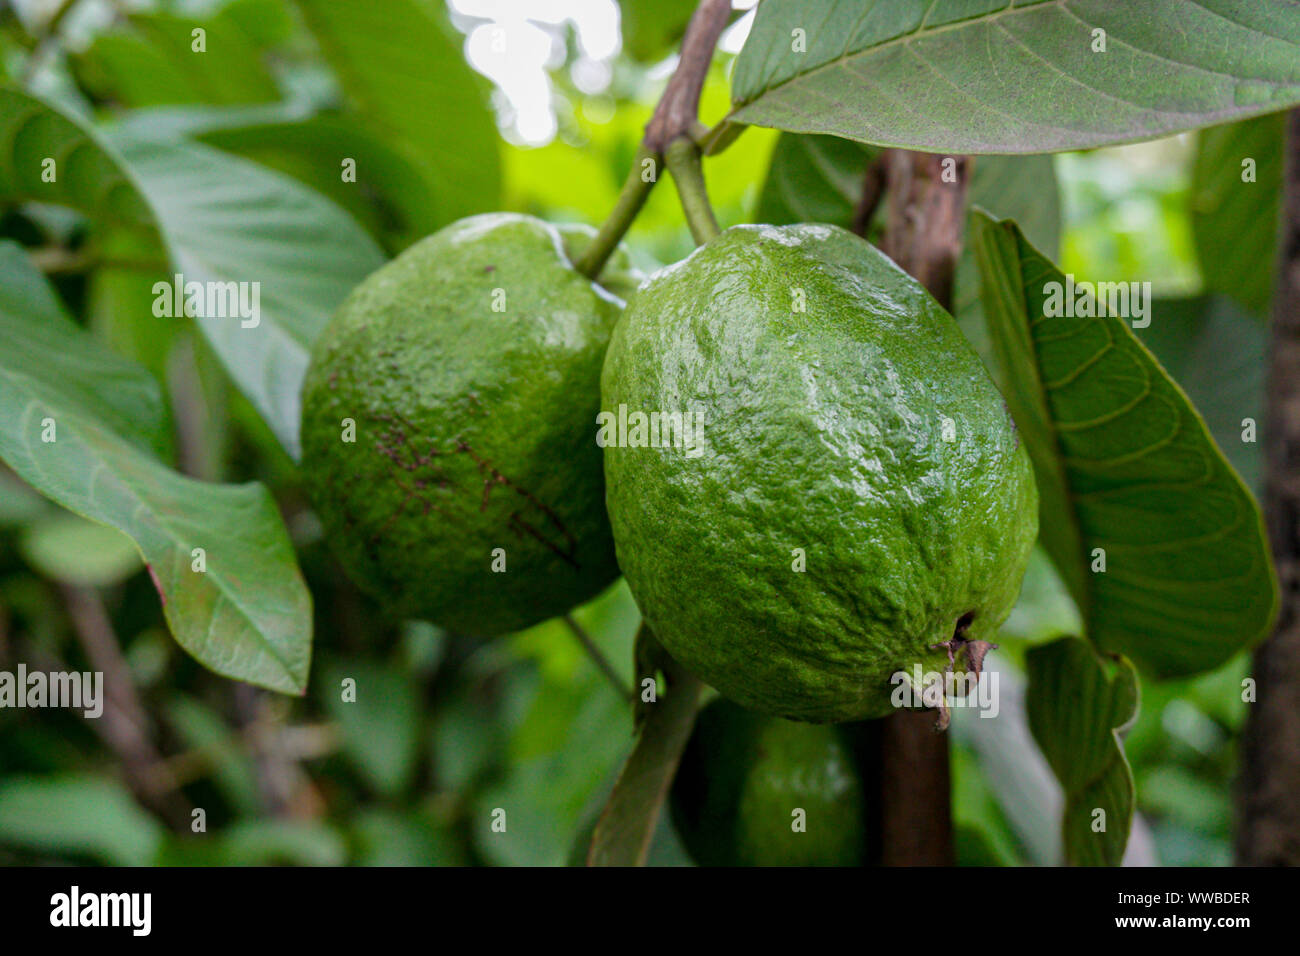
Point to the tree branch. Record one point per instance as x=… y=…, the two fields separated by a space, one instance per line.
x=923 y=235
x=927 y=217
x=1268 y=808
x=678 y=110
x=124 y=724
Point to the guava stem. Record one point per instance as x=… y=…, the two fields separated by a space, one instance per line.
x=676 y=118
x=636 y=189
x=683 y=160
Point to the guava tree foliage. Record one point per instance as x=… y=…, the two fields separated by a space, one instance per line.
x=225 y=200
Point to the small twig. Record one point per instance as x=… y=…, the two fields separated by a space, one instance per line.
x=636 y=190
x=55 y=260
x=307 y=742
x=598 y=658
x=124 y=725
x=285 y=790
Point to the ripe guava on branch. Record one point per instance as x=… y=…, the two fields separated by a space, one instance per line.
x=858 y=501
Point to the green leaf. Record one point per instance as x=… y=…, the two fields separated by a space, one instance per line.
x=68 y=548
x=566 y=731
x=248 y=615
x=814 y=179
x=1234 y=222
x=225 y=220
x=652 y=29
x=1217 y=352
x=381 y=726
x=150 y=60
x=87 y=178
x=77 y=816
x=985 y=76
x=281 y=843
x=399 y=65
x=1124 y=463
x=221 y=219
x=391 y=196
x=409 y=838
x=1079 y=707
x=1023 y=188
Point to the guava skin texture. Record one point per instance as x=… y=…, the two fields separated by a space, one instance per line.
x=742 y=776
x=846 y=416
x=473 y=429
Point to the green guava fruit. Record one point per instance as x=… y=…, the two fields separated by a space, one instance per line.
x=744 y=776
x=469 y=368
x=852 y=492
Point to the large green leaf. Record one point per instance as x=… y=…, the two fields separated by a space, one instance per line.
x=1079 y=707
x=225 y=220
x=987 y=76
x=246 y=614
x=400 y=67
x=1216 y=351
x=221 y=219
x=1234 y=221
x=380 y=725
x=391 y=195
x=1124 y=464
x=150 y=59
x=85 y=176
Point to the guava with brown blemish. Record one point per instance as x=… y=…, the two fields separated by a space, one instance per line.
x=468 y=367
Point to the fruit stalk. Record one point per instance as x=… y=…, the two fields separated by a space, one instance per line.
x=636 y=190
x=675 y=119
x=683 y=161
x=627 y=823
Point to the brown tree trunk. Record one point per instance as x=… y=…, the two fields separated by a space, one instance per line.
x=1268 y=794
x=923 y=234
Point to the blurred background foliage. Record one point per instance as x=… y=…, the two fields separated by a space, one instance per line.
x=537 y=107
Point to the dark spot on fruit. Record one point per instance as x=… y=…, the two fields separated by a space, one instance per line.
x=487 y=269
x=963 y=624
